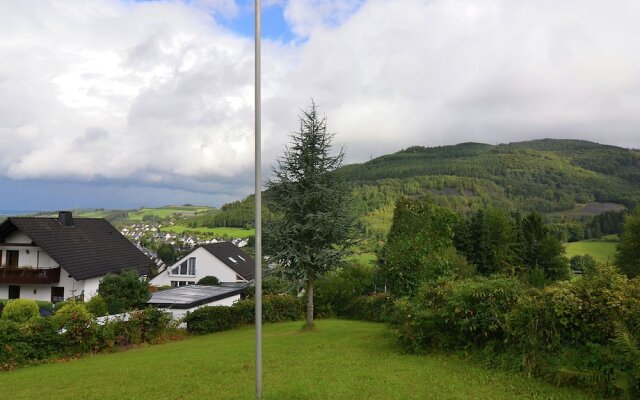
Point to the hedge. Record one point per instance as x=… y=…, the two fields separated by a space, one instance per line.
x=71 y=333
x=275 y=308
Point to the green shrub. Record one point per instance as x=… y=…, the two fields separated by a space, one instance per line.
x=275 y=308
x=23 y=343
x=77 y=326
x=375 y=307
x=333 y=292
x=209 y=280
x=457 y=314
x=97 y=306
x=587 y=309
x=151 y=323
x=212 y=319
x=124 y=292
x=57 y=306
x=21 y=310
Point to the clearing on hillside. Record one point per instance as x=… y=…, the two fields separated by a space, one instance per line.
x=602 y=250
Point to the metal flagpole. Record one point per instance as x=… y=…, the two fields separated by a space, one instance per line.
x=258 y=201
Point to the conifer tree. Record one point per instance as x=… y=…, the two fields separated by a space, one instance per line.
x=313 y=227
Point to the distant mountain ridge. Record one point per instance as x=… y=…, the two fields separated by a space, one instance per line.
x=553 y=171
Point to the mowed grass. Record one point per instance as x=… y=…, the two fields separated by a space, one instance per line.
x=340 y=360
x=601 y=250
x=211 y=232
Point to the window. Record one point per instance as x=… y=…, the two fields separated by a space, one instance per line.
x=240 y=257
x=57 y=294
x=12 y=258
x=187 y=267
x=233 y=260
x=14 y=292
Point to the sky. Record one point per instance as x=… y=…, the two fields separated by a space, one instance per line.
x=123 y=104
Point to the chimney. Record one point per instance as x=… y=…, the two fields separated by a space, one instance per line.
x=65 y=218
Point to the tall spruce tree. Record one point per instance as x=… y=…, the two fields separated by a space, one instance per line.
x=313 y=226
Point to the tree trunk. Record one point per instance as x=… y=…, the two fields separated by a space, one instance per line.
x=309 y=324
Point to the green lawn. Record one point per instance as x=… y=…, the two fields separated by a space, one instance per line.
x=341 y=360
x=212 y=232
x=601 y=250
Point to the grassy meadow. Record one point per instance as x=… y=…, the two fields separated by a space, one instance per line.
x=211 y=232
x=601 y=250
x=166 y=212
x=340 y=360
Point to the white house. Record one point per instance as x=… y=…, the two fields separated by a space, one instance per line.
x=223 y=260
x=53 y=259
x=180 y=300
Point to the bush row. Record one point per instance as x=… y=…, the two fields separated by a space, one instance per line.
x=275 y=308
x=72 y=331
x=568 y=331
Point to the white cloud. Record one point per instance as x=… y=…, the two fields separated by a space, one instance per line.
x=159 y=93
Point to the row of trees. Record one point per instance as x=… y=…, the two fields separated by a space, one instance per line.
x=427 y=242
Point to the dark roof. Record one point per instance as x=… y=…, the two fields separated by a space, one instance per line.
x=90 y=248
x=223 y=250
x=190 y=296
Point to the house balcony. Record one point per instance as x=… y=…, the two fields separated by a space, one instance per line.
x=28 y=275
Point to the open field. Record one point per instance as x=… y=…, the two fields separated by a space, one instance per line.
x=165 y=212
x=212 y=232
x=341 y=360
x=601 y=250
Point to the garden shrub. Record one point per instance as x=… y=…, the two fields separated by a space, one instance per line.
x=151 y=323
x=587 y=309
x=76 y=325
x=23 y=343
x=209 y=280
x=375 y=307
x=275 y=308
x=334 y=291
x=212 y=319
x=457 y=314
x=57 y=306
x=21 y=310
x=97 y=306
x=144 y=326
x=124 y=292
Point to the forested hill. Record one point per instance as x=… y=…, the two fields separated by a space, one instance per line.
x=543 y=175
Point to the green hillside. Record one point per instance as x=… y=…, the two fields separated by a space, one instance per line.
x=548 y=175
x=543 y=175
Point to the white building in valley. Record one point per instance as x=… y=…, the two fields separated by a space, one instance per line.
x=223 y=260
x=53 y=259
